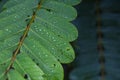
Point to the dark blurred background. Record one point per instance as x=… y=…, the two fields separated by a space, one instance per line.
x=98 y=45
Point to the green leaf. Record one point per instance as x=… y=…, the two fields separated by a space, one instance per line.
x=14 y=75
x=35 y=38
x=69 y=2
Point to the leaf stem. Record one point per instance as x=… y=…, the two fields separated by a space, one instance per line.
x=100 y=45
x=22 y=38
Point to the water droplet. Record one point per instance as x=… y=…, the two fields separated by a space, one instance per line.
x=40 y=30
x=7 y=11
x=52 y=48
x=47 y=33
x=46 y=55
x=54 y=40
x=24 y=8
x=65 y=43
x=33 y=46
x=51 y=12
x=66 y=17
x=6 y=29
x=15 y=16
x=35 y=26
x=52 y=71
x=49 y=36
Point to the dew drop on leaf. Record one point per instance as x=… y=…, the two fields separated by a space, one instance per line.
x=53 y=48
x=66 y=17
x=54 y=40
x=52 y=71
x=46 y=55
x=47 y=33
x=6 y=29
x=51 y=12
x=40 y=30
x=15 y=16
x=33 y=46
x=7 y=11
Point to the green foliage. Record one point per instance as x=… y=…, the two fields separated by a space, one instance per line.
x=34 y=38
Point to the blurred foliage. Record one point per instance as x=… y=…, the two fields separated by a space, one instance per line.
x=88 y=64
